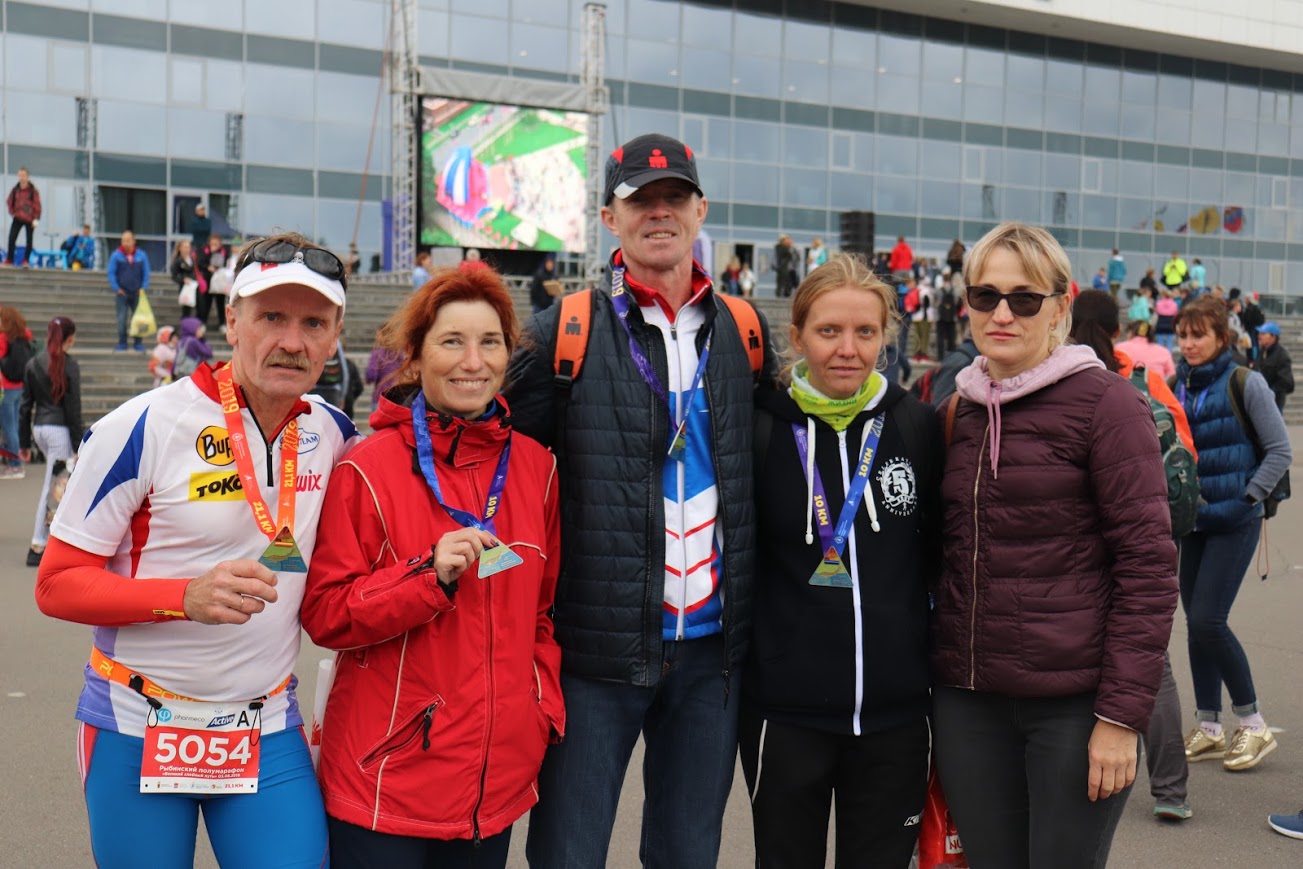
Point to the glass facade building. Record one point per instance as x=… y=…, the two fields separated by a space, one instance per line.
x=798 y=111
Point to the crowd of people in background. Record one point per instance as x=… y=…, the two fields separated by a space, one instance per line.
x=819 y=578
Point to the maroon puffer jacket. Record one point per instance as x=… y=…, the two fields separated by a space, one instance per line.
x=1060 y=574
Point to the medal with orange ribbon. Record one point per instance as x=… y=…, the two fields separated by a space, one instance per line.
x=283 y=553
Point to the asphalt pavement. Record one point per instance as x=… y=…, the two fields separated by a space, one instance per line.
x=43 y=820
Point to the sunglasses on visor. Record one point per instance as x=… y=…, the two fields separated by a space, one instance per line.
x=323 y=262
x=1021 y=302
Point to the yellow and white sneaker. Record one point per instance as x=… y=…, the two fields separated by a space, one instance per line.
x=1248 y=748
x=1200 y=746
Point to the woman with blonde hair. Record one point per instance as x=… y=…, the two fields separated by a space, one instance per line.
x=847 y=475
x=1059 y=573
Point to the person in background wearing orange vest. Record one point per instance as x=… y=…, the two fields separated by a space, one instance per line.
x=654 y=443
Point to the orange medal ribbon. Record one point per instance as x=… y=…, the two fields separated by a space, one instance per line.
x=244 y=462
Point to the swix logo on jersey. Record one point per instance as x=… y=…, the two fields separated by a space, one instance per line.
x=308 y=483
x=214 y=446
x=216 y=486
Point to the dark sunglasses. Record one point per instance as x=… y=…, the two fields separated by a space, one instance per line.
x=1021 y=302
x=323 y=262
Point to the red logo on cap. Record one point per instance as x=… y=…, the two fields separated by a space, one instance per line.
x=657 y=160
x=266 y=266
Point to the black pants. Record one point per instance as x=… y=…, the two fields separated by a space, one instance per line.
x=1015 y=772
x=354 y=847
x=793 y=773
x=205 y=302
x=14 y=226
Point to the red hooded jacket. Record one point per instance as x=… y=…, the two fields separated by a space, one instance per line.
x=441 y=708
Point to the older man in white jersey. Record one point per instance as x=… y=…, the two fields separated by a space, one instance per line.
x=184 y=538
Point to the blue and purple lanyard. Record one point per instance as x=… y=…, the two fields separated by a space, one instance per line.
x=1198 y=398
x=620 y=299
x=425 y=455
x=829 y=537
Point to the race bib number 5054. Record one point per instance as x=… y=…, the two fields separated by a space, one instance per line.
x=201 y=748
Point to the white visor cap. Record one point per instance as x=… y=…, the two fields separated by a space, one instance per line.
x=256 y=277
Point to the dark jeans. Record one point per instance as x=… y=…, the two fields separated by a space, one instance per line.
x=793 y=773
x=1212 y=568
x=1165 y=744
x=9 y=405
x=125 y=305
x=1015 y=773
x=354 y=847
x=14 y=226
x=688 y=722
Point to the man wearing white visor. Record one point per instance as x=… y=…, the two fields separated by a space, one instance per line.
x=184 y=539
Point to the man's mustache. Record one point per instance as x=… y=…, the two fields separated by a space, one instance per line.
x=287 y=360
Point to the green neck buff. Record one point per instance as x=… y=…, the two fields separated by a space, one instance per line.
x=837 y=412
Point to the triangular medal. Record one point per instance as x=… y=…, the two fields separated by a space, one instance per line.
x=283 y=554
x=680 y=444
x=498 y=558
x=831 y=572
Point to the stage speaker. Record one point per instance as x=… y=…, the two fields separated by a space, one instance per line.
x=857 y=232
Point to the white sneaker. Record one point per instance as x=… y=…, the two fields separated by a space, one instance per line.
x=12 y=472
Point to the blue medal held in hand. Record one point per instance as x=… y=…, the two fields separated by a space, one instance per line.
x=497 y=557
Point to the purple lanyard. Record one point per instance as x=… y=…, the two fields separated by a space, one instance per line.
x=829 y=537
x=425 y=455
x=620 y=299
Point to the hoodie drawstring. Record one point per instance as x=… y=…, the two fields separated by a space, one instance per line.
x=993 y=419
x=809 y=481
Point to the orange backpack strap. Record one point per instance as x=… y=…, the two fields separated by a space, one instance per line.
x=572 y=336
x=748 y=328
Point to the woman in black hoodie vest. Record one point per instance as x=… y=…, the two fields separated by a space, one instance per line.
x=836 y=692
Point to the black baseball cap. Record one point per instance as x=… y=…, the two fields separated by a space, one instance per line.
x=646 y=159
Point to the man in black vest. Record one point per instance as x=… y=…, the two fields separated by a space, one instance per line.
x=654 y=461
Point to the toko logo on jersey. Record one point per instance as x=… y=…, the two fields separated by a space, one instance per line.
x=216 y=486
x=214 y=446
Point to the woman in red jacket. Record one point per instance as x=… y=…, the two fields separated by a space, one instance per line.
x=1059 y=577
x=433 y=577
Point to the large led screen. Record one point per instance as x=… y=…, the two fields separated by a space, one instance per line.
x=500 y=176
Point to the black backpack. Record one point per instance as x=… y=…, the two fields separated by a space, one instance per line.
x=15 y=361
x=948 y=307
